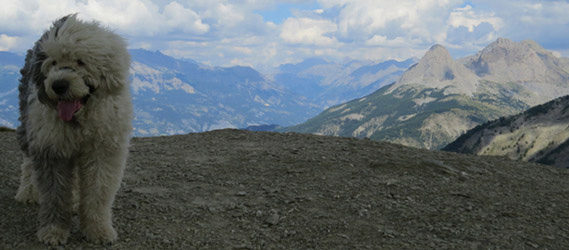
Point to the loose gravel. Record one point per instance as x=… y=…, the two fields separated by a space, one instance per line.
x=233 y=189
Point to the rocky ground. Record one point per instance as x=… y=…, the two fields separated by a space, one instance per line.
x=231 y=189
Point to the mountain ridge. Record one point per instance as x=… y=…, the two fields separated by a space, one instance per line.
x=440 y=98
x=328 y=83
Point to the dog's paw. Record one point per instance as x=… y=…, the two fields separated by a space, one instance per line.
x=27 y=194
x=100 y=234
x=53 y=235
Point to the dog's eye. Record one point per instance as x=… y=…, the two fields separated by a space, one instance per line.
x=80 y=63
x=54 y=63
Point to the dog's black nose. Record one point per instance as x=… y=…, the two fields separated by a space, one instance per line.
x=60 y=86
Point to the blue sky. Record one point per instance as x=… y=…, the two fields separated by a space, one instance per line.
x=266 y=33
x=280 y=11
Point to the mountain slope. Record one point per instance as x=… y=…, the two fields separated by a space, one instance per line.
x=173 y=96
x=419 y=117
x=439 y=98
x=231 y=189
x=540 y=134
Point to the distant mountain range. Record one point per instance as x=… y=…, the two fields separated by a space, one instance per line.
x=439 y=98
x=10 y=65
x=328 y=84
x=540 y=134
x=173 y=96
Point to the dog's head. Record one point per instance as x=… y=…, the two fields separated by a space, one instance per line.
x=76 y=60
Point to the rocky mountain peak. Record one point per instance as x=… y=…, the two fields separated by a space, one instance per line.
x=507 y=50
x=437 y=69
x=501 y=61
x=507 y=61
x=436 y=64
x=535 y=46
x=437 y=54
x=504 y=42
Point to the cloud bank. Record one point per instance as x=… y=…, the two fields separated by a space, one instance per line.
x=224 y=32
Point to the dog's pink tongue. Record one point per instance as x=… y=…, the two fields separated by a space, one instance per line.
x=66 y=109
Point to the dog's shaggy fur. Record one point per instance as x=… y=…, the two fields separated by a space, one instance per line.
x=75 y=113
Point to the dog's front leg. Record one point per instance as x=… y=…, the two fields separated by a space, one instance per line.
x=53 y=179
x=100 y=178
x=27 y=192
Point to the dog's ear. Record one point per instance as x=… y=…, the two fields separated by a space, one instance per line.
x=39 y=79
x=37 y=58
x=115 y=77
x=112 y=84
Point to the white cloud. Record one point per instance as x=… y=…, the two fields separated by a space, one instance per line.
x=546 y=20
x=360 y=20
x=243 y=50
x=131 y=17
x=542 y=21
x=241 y=62
x=379 y=40
x=143 y=17
x=227 y=32
x=22 y=17
x=308 y=31
x=468 y=18
x=225 y=14
x=472 y=29
x=178 y=17
x=182 y=44
x=7 y=42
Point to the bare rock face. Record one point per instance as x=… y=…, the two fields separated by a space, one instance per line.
x=505 y=60
x=526 y=64
x=438 y=69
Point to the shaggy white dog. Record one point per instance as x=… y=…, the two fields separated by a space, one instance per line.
x=75 y=113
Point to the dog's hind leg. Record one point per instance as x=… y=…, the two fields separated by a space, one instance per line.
x=27 y=192
x=54 y=182
x=100 y=178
